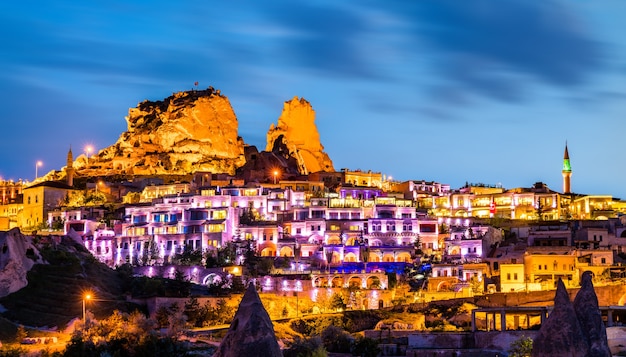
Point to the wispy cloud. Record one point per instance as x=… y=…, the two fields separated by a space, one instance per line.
x=497 y=49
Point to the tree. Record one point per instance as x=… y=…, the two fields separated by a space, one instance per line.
x=539 y=210
x=477 y=286
x=249 y=215
x=335 y=339
x=192 y=311
x=180 y=285
x=336 y=302
x=392 y=280
x=522 y=347
x=188 y=257
x=163 y=313
x=306 y=347
x=58 y=225
x=20 y=334
x=365 y=347
x=418 y=246
x=150 y=252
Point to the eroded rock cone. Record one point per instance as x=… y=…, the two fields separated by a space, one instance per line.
x=561 y=334
x=251 y=333
x=590 y=318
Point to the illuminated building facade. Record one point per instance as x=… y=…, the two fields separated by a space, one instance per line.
x=534 y=203
x=362 y=178
x=11 y=204
x=41 y=198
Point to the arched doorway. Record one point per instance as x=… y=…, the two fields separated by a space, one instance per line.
x=268 y=252
x=286 y=252
x=333 y=240
x=404 y=257
x=350 y=257
x=354 y=282
x=373 y=282
x=211 y=279
x=320 y=282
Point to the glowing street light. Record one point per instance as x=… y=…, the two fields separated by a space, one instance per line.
x=88 y=150
x=99 y=184
x=37 y=165
x=87 y=297
x=275 y=175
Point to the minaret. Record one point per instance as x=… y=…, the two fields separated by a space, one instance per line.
x=567 y=172
x=69 y=168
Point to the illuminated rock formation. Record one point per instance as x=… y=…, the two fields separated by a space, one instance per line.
x=189 y=131
x=251 y=333
x=17 y=257
x=590 y=318
x=197 y=130
x=296 y=131
x=561 y=334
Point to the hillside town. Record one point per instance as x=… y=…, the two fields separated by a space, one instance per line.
x=214 y=212
x=343 y=228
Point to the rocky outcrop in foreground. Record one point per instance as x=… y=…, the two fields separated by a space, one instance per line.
x=573 y=330
x=251 y=333
x=17 y=257
x=590 y=318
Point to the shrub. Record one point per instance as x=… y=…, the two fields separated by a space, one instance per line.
x=306 y=347
x=365 y=347
x=522 y=347
x=313 y=326
x=336 y=340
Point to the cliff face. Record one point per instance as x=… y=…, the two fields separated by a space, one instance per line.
x=197 y=130
x=296 y=131
x=186 y=132
x=14 y=260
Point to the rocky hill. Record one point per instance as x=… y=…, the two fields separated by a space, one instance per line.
x=197 y=130
x=189 y=131
x=51 y=292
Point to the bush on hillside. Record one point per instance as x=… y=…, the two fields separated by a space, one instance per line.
x=306 y=347
x=314 y=325
x=365 y=347
x=336 y=339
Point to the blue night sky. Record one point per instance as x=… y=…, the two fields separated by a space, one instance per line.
x=451 y=91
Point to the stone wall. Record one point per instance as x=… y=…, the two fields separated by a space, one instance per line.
x=617 y=340
x=614 y=294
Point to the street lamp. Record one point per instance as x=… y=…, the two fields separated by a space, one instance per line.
x=87 y=297
x=88 y=150
x=275 y=174
x=37 y=164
